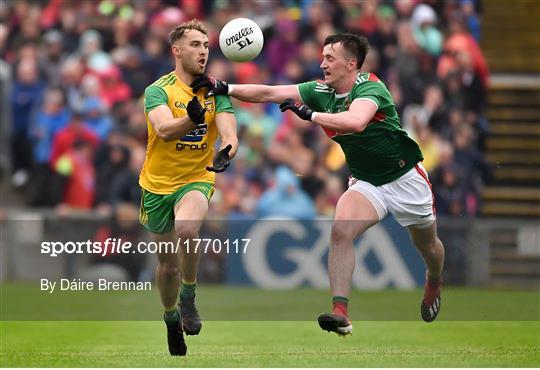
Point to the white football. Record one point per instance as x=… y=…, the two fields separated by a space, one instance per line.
x=241 y=40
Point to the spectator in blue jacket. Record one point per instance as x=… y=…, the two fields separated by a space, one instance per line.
x=95 y=117
x=51 y=118
x=25 y=96
x=286 y=198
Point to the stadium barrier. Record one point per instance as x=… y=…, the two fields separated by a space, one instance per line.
x=280 y=254
x=266 y=264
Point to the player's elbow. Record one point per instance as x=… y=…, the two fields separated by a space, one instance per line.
x=169 y=138
x=273 y=94
x=262 y=98
x=357 y=124
x=360 y=127
x=272 y=98
x=163 y=135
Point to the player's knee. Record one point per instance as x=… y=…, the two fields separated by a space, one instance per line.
x=341 y=234
x=186 y=231
x=169 y=270
x=432 y=246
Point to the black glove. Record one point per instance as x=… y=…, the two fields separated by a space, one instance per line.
x=222 y=160
x=215 y=87
x=299 y=109
x=195 y=111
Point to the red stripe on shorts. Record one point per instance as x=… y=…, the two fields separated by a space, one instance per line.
x=424 y=176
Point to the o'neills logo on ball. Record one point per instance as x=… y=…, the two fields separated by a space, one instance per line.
x=237 y=36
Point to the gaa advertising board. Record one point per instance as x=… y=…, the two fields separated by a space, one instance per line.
x=285 y=254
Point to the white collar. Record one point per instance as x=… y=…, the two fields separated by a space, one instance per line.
x=342 y=95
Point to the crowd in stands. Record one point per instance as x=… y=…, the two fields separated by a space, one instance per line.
x=74 y=71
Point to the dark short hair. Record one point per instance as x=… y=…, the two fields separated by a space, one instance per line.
x=179 y=31
x=356 y=45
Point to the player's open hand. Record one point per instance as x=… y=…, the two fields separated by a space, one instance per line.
x=195 y=111
x=215 y=87
x=301 y=110
x=222 y=160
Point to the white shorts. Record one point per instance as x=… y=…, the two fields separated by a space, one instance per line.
x=409 y=198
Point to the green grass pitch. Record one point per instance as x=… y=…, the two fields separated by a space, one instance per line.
x=272 y=344
x=231 y=343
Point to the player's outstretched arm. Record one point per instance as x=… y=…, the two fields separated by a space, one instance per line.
x=169 y=128
x=246 y=92
x=264 y=93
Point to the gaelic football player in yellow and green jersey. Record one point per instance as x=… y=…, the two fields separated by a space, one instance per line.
x=177 y=178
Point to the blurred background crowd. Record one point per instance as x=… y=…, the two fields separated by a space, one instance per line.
x=73 y=74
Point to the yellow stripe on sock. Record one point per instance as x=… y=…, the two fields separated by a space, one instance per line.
x=169 y=309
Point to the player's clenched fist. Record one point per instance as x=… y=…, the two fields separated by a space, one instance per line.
x=195 y=111
x=215 y=87
x=299 y=109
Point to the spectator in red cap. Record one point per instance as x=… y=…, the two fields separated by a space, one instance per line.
x=74 y=132
x=113 y=89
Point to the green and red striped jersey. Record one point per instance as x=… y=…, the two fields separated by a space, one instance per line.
x=383 y=151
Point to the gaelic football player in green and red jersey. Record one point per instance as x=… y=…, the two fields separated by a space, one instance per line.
x=357 y=111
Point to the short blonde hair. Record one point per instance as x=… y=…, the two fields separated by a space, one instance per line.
x=179 y=31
